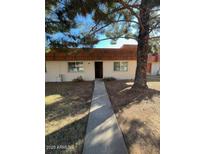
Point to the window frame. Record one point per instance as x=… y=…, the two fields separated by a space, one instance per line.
x=76 y=66
x=120 y=70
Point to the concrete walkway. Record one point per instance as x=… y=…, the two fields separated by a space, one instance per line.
x=103 y=135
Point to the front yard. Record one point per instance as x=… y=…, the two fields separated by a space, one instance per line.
x=138 y=115
x=67 y=107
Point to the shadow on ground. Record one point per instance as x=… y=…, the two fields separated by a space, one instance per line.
x=123 y=89
x=140 y=138
x=75 y=99
x=133 y=107
x=66 y=119
x=65 y=108
x=68 y=138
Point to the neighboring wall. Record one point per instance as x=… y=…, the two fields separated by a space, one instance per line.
x=109 y=72
x=55 y=68
x=155 y=68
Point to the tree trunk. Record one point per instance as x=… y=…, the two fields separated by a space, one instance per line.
x=142 y=53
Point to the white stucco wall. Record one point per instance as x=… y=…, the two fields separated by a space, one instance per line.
x=55 y=68
x=155 y=68
x=108 y=70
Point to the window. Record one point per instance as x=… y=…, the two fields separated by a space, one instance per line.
x=121 y=66
x=75 y=67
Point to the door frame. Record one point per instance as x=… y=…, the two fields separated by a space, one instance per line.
x=101 y=69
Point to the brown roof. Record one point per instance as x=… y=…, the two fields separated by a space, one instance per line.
x=127 y=52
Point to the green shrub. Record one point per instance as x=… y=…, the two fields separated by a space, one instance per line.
x=78 y=79
x=109 y=79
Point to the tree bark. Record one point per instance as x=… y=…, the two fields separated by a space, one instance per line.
x=142 y=53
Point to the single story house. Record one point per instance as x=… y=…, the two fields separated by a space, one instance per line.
x=95 y=63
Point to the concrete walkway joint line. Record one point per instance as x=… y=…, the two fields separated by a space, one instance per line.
x=103 y=135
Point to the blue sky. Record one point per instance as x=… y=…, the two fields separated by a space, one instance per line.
x=87 y=21
x=104 y=44
x=84 y=24
x=120 y=42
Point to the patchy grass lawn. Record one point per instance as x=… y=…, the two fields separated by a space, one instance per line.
x=66 y=112
x=138 y=115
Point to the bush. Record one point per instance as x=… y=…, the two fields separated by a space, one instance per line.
x=78 y=79
x=109 y=79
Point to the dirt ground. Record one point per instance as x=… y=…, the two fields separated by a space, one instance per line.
x=138 y=115
x=66 y=113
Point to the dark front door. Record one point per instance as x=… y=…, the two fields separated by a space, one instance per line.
x=98 y=70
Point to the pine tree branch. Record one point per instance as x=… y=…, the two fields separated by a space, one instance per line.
x=111 y=38
x=110 y=24
x=94 y=27
x=153 y=10
x=140 y=23
x=100 y=29
x=154 y=27
x=127 y=5
x=132 y=11
x=127 y=21
x=154 y=37
x=116 y=10
x=154 y=17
